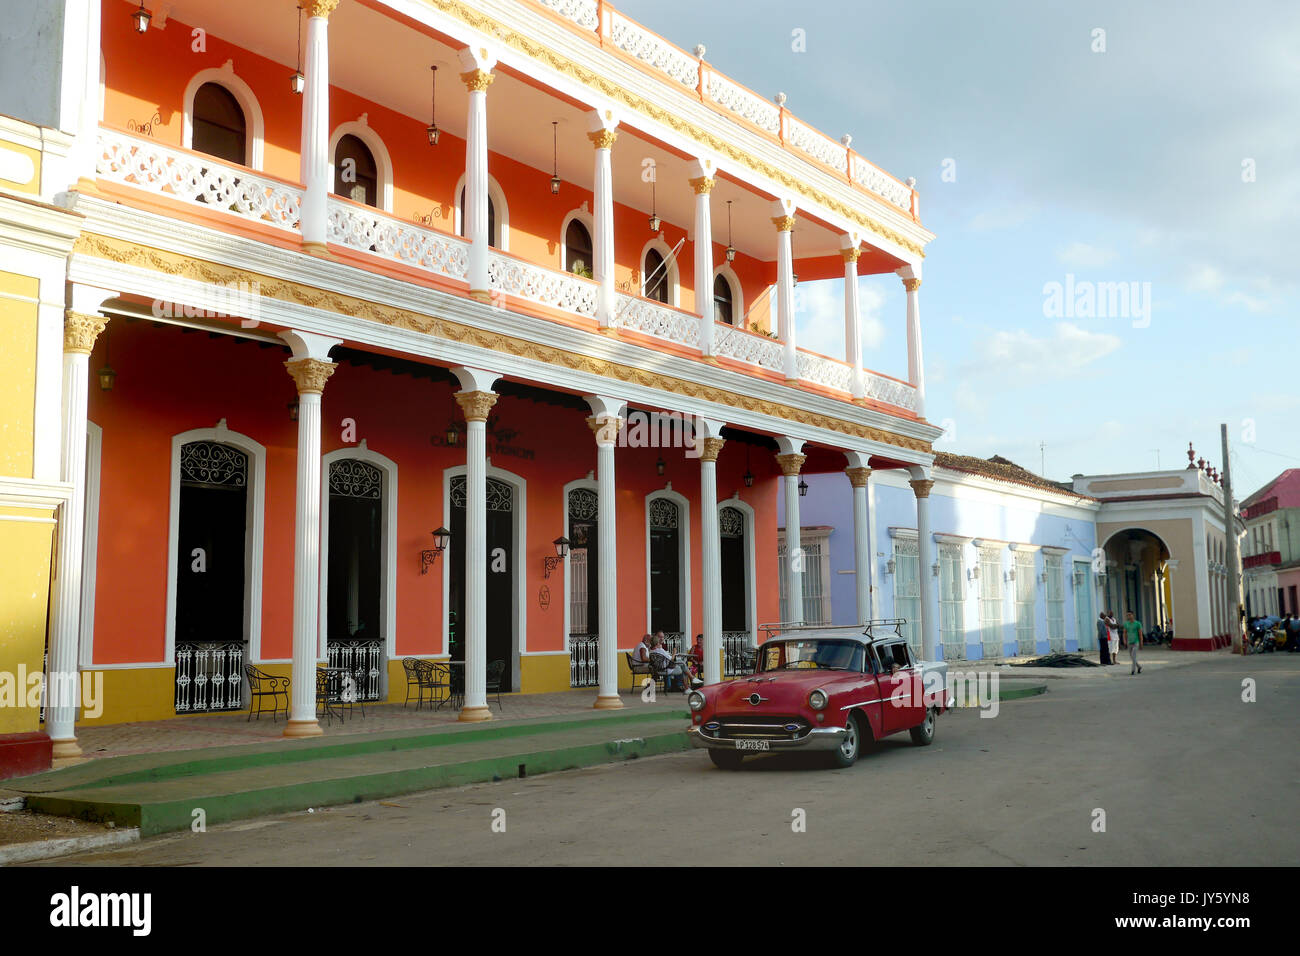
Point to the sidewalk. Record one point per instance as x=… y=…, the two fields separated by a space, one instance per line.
x=1155 y=659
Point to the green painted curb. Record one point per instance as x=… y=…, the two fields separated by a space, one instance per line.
x=169 y=815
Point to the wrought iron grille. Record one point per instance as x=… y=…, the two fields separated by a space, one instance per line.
x=353 y=478
x=731 y=523
x=213 y=464
x=500 y=496
x=673 y=641
x=365 y=659
x=209 y=676
x=584 y=656
x=663 y=514
x=738 y=654
x=583 y=504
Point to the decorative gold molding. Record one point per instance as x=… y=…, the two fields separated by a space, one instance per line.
x=790 y=464
x=851 y=255
x=712 y=448
x=921 y=486
x=178 y=264
x=605 y=428
x=911 y=285
x=319 y=8
x=476 y=405
x=603 y=138
x=613 y=90
x=703 y=185
x=310 y=374
x=783 y=223
x=477 y=81
x=858 y=476
x=80 y=330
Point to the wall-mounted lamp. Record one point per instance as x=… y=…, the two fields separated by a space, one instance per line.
x=441 y=538
x=141 y=19
x=889 y=566
x=551 y=562
x=659 y=467
x=1011 y=574
x=973 y=574
x=934 y=569
x=803 y=488
x=293 y=410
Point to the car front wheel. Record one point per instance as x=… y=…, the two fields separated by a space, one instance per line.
x=923 y=733
x=846 y=754
x=726 y=759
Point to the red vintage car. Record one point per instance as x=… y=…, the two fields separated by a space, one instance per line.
x=825 y=689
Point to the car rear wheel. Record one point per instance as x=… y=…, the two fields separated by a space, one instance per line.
x=846 y=754
x=923 y=733
x=726 y=759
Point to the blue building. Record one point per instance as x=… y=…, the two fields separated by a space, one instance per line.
x=1013 y=572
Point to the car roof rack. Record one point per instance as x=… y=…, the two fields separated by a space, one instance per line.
x=893 y=626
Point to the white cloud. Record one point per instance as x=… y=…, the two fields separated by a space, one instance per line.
x=1007 y=216
x=1032 y=359
x=1083 y=255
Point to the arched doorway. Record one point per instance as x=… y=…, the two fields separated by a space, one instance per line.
x=501 y=559
x=582 y=583
x=668 y=567
x=1137 y=577
x=355 y=572
x=736 y=556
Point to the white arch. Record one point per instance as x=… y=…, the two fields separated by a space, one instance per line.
x=499 y=206
x=674 y=277
x=683 y=559
x=388 y=571
x=519 y=535
x=383 y=162
x=591 y=485
x=225 y=77
x=751 y=576
x=254 y=535
x=737 y=294
x=584 y=216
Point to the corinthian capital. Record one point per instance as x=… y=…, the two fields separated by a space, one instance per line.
x=309 y=374
x=790 y=464
x=477 y=81
x=476 y=405
x=80 y=330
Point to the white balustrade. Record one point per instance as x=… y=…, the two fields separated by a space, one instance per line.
x=821 y=370
x=882 y=184
x=817 y=145
x=749 y=106
x=749 y=347
x=653 y=50
x=585 y=13
x=194 y=178
x=889 y=391
x=560 y=290
x=406 y=242
x=652 y=318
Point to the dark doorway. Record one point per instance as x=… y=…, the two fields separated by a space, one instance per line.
x=735 y=599
x=210 y=572
x=354 y=610
x=356 y=174
x=219 y=127
x=665 y=567
x=500 y=576
x=584 y=563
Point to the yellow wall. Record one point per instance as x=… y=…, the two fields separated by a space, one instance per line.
x=1177 y=534
x=18 y=323
x=24 y=593
x=547 y=673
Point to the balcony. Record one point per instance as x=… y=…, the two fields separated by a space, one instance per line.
x=268 y=208
x=1261 y=560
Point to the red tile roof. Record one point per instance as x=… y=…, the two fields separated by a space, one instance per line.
x=1003 y=469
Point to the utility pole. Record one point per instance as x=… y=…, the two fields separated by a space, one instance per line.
x=1230 y=527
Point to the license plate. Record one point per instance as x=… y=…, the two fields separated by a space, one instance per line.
x=753 y=745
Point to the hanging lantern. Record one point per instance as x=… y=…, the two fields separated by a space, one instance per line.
x=654 y=217
x=141 y=19
x=298 y=82
x=555 y=158
x=731 y=250
x=432 y=129
x=106 y=376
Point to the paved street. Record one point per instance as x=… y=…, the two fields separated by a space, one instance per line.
x=1185 y=771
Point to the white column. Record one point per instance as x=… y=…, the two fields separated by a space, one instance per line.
x=315 y=155
x=859 y=473
x=605 y=421
x=911 y=276
x=921 y=484
x=602 y=135
x=702 y=182
x=852 y=314
x=708 y=434
x=77 y=79
x=791 y=461
x=476 y=399
x=310 y=368
x=783 y=219
x=477 y=77
x=81 y=327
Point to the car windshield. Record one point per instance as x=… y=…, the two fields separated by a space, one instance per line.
x=811 y=653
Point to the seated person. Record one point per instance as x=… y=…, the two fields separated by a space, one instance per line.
x=696 y=656
x=641 y=653
x=674 y=674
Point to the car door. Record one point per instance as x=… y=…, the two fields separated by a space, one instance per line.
x=912 y=711
x=891 y=679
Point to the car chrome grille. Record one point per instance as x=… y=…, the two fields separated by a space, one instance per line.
x=766 y=727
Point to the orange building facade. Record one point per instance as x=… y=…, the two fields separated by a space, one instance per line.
x=493 y=363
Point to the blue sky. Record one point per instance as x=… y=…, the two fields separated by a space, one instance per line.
x=1117 y=166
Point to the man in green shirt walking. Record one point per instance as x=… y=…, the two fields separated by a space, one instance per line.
x=1133 y=631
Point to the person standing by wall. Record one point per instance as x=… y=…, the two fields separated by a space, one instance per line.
x=1133 y=630
x=1103 y=638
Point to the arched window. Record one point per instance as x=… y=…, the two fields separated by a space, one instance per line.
x=656 y=277
x=722 y=304
x=220 y=127
x=356 y=175
x=494 y=239
x=578 y=249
